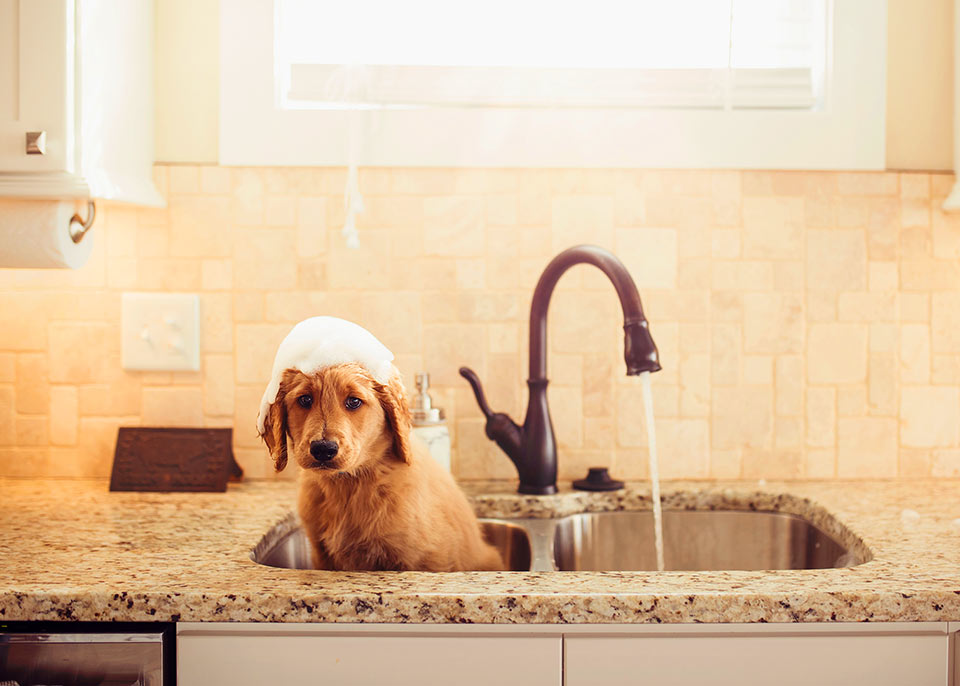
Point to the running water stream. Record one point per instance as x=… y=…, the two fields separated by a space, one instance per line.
x=654 y=468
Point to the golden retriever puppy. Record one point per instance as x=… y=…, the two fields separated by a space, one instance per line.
x=369 y=499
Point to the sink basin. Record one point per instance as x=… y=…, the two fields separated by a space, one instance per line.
x=694 y=540
x=286 y=545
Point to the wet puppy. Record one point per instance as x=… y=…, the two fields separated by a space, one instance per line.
x=369 y=499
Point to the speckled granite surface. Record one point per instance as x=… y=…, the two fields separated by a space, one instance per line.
x=70 y=550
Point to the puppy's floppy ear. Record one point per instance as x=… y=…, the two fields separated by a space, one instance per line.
x=275 y=431
x=393 y=399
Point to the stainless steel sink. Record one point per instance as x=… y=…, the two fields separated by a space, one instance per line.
x=694 y=540
x=286 y=545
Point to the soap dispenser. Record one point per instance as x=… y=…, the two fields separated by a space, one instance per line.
x=429 y=424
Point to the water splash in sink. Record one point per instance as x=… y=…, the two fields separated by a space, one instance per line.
x=654 y=468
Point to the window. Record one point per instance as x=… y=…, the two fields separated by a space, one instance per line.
x=645 y=53
x=689 y=83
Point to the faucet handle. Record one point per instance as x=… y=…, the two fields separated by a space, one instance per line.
x=474 y=381
x=500 y=428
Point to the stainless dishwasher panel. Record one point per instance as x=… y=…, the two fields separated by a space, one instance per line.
x=108 y=658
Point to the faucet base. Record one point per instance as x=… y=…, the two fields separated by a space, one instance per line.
x=537 y=490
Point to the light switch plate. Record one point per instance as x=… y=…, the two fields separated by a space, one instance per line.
x=160 y=331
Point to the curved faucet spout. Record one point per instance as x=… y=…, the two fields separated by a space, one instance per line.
x=532 y=447
x=640 y=352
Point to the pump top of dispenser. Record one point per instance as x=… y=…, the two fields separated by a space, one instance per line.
x=424 y=413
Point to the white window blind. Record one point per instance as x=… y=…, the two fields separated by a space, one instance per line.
x=682 y=54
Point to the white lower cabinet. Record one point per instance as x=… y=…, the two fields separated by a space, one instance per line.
x=398 y=660
x=874 y=660
x=901 y=654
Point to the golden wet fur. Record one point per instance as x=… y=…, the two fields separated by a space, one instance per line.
x=382 y=503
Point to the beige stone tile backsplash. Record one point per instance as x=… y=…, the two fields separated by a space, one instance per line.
x=808 y=322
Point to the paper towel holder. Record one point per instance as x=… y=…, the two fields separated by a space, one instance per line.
x=79 y=227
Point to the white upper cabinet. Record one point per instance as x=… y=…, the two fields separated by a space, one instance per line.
x=80 y=72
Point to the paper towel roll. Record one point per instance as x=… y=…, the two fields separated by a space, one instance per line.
x=36 y=234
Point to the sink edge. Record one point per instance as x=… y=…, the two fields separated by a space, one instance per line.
x=491 y=507
x=634 y=498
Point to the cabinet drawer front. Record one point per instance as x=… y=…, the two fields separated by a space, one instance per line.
x=224 y=660
x=918 y=660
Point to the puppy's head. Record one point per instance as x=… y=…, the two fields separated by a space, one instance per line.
x=339 y=419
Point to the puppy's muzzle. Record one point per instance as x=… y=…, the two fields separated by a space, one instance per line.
x=323 y=451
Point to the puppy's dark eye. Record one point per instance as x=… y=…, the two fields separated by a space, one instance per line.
x=305 y=401
x=353 y=403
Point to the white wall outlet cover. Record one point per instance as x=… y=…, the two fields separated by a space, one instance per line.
x=160 y=331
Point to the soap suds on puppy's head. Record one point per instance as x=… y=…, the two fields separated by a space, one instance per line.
x=321 y=342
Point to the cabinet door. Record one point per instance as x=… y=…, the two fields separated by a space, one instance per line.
x=37 y=63
x=955 y=653
x=297 y=660
x=918 y=660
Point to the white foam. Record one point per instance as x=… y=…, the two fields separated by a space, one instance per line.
x=321 y=342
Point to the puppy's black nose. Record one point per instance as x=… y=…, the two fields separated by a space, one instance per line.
x=323 y=451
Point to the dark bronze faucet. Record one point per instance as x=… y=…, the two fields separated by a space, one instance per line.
x=533 y=447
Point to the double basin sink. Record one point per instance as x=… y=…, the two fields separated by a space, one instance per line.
x=693 y=540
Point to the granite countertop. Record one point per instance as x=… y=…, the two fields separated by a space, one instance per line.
x=70 y=550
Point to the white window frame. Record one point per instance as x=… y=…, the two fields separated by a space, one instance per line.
x=847 y=133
